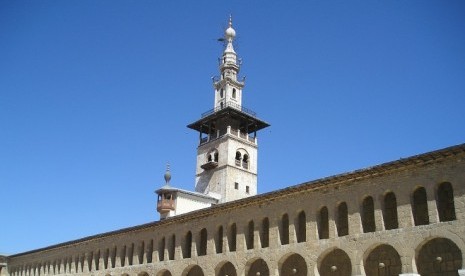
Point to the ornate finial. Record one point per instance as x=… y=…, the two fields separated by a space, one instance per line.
x=167 y=174
x=229 y=33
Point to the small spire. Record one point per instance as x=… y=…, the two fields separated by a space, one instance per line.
x=167 y=174
x=230 y=20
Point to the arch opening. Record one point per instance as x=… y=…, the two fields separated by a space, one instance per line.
x=439 y=256
x=383 y=260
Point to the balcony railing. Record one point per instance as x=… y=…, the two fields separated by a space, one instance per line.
x=165 y=205
x=230 y=104
x=231 y=131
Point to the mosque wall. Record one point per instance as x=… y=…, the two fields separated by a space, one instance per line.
x=403 y=217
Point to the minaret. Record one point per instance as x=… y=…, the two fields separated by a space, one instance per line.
x=227 y=151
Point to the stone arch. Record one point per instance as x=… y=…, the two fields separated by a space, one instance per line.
x=202 y=245
x=219 y=239
x=187 y=246
x=323 y=223
x=335 y=262
x=143 y=273
x=232 y=235
x=445 y=202
x=225 y=268
x=249 y=241
x=301 y=227
x=284 y=229
x=390 y=217
x=164 y=272
x=265 y=233
x=257 y=265
x=438 y=256
x=342 y=221
x=193 y=270
x=292 y=264
x=368 y=215
x=382 y=260
x=420 y=206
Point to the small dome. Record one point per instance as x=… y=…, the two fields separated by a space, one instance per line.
x=229 y=33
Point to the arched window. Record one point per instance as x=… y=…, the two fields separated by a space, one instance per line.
x=445 y=202
x=323 y=223
x=238 y=158
x=420 y=207
x=234 y=93
x=284 y=229
x=250 y=232
x=161 y=249
x=301 y=229
x=202 y=248
x=215 y=156
x=390 y=212
x=342 y=220
x=368 y=215
x=245 y=161
x=219 y=240
x=187 y=249
x=232 y=237
x=221 y=105
x=172 y=247
x=221 y=93
x=265 y=233
x=149 y=251
x=130 y=255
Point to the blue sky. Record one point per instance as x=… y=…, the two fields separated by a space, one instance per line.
x=95 y=97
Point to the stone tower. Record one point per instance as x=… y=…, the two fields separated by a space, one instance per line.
x=227 y=152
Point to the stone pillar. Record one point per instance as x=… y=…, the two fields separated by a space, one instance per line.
x=312 y=228
x=240 y=238
x=461 y=272
x=292 y=233
x=86 y=263
x=355 y=221
x=379 y=223
x=432 y=207
x=274 y=241
x=256 y=237
x=332 y=223
x=404 y=210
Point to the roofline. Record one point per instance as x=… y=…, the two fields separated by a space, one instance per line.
x=377 y=170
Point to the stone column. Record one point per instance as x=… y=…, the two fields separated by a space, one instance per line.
x=274 y=241
x=292 y=233
x=312 y=228
x=379 y=223
x=355 y=221
x=332 y=222
x=256 y=236
x=404 y=210
x=432 y=207
x=461 y=272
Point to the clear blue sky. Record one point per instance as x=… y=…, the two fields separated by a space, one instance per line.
x=95 y=97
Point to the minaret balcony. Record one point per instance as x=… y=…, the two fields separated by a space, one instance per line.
x=209 y=165
x=230 y=131
x=165 y=205
x=230 y=104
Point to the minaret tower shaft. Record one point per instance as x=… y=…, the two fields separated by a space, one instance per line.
x=227 y=152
